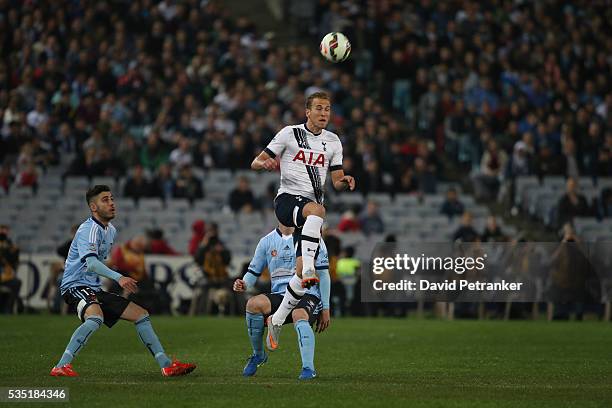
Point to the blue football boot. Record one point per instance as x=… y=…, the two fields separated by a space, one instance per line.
x=307 y=374
x=253 y=363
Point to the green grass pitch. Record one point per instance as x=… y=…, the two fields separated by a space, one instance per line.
x=361 y=362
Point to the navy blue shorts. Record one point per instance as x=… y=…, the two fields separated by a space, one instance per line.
x=112 y=305
x=308 y=302
x=288 y=209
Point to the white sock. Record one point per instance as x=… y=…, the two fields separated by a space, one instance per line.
x=311 y=234
x=293 y=294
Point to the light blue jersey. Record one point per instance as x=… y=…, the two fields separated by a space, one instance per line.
x=91 y=239
x=278 y=254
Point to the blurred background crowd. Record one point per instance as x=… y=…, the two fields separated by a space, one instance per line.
x=457 y=100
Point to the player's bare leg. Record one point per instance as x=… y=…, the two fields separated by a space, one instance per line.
x=298 y=267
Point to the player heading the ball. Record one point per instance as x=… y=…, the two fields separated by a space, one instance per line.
x=306 y=153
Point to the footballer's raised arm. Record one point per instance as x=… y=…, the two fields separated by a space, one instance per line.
x=266 y=159
x=263 y=162
x=342 y=181
x=257 y=264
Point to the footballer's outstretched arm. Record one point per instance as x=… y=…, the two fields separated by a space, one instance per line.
x=324 y=318
x=324 y=287
x=256 y=267
x=342 y=181
x=94 y=265
x=263 y=162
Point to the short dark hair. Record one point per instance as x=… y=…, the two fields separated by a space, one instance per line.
x=95 y=190
x=316 y=95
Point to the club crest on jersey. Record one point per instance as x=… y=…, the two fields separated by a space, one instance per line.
x=310 y=158
x=273 y=253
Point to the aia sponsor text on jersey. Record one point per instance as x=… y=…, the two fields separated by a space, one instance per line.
x=310 y=158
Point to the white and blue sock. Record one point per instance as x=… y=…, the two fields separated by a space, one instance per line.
x=151 y=342
x=293 y=295
x=79 y=338
x=306 y=341
x=311 y=234
x=255 y=328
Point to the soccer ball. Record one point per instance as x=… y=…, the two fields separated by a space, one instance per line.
x=335 y=47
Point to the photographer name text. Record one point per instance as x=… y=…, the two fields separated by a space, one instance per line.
x=462 y=284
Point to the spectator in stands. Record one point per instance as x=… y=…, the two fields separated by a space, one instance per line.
x=523 y=160
x=572 y=165
x=110 y=165
x=9 y=262
x=205 y=156
x=137 y=186
x=572 y=277
x=198 y=229
x=128 y=258
x=572 y=204
x=154 y=153
x=370 y=220
x=604 y=158
x=95 y=143
x=407 y=182
x=181 y=156
x=28 y=177
x=213 y=256
x=430 y=160
x=372 y=179
x=187 y=185
x=492 y=167
x=163 y=184
x=451 y=206
x=466 y=231
x=214 y=259
x=6 y=177
x=158 y=244
x=241 y=198
x=492 y=231
x=38 y=115
x=51 y=291
x=425 y=176
x=347 y=269
x=549 y=164
x=88 y=164
x=348 y=222
x=128 y=152
x=240 y=153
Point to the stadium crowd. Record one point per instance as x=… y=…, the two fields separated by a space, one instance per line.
x=159 y=88
x=507 y=88
x=151 y=90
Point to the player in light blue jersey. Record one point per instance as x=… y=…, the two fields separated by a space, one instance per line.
x=276 y=251
x=81 y=287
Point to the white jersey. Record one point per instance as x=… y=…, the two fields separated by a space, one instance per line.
x=305 y=159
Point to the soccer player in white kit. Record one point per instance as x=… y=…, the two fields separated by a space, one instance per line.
x=306 y=152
